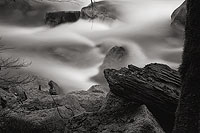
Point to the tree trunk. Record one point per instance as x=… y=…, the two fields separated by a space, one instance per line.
x=187 y=115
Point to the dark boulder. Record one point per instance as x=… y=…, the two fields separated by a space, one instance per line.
x=156 y=85
x=102 y=10
x=115 y=58
x=54 y=89
x=56 y=18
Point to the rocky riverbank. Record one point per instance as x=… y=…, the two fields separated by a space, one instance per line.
x=139 y=100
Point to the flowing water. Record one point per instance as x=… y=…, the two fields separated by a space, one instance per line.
x=68 y=54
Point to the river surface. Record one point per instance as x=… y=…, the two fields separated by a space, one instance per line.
x=68 y=54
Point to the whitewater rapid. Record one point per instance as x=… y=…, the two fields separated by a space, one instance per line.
x=68 y=54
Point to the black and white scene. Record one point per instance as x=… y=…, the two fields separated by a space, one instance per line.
x=99 y=66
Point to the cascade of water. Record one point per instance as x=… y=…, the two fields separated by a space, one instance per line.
x=68 y=53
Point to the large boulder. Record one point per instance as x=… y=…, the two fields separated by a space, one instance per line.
x=56 y=18
x=102 y=10
x=178 y=18
x=156 y=85
x=115 y=58
x=54 y=88
x=117 y=115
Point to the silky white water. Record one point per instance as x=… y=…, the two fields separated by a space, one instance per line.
x=67 y=54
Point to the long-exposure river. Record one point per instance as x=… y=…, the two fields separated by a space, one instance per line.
x=68 y=53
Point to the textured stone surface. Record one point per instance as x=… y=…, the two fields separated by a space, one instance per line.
x=115 y=116
x=102 y=10
x=56 y=18
x=155 y=85
x=92 y=99
x=42 y=112
x=39 y=113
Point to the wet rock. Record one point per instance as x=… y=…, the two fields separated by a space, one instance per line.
x=178 y=18
x=40 y=113
x=156 y=85
x=92 y=99
x=54 y=88
x=116 y=116
x=56 y=18
x=102 y=10
x=115 y=59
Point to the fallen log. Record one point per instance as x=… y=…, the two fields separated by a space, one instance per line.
x=155 y=85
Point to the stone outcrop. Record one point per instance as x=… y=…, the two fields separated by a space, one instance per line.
x=56 y=18
x=102 y=10
x=92 y=99
x=117 y=115
x=156 y=85
x=39 y=113
x=115 y=58
x=42 y=112
x=179 y=18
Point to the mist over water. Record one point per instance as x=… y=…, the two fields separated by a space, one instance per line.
x=68 y=54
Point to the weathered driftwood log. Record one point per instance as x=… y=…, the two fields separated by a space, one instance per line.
x=156 y=85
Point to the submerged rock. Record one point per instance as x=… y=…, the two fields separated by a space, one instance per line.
x=56 y=18
x=179 y=18
x=115 y=116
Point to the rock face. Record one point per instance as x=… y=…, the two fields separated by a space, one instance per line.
x=56 y=18
x=115 y=58
x=42 y=112
x=115 y=116
x=102 y=10
x=92 y=99
x=179 y=17
x=39 y=113
x=155 y=85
